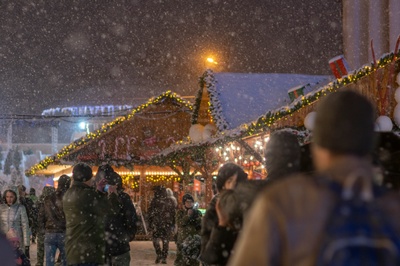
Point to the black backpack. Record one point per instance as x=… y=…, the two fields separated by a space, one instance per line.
x=357 y=232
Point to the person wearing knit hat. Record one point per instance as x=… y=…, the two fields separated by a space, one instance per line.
x=188 y=220
x=82 y=172
x=85 y=209
x=301 y=209
x=120 y=226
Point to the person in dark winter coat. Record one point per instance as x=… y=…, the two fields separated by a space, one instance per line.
x=161 y=222
x=189 y=224
x=120 y=226
x=32 y=196
x=30 y=207
x=228 y=177
x=52 y=218
x=85 y=211
x=40 y=227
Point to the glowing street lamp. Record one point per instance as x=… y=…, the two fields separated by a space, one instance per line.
x=212 y=61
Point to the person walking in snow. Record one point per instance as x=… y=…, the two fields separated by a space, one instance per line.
x=161 y=222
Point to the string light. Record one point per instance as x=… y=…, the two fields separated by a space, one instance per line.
x=66 y=150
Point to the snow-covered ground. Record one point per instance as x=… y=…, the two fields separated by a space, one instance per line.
x=142 y=253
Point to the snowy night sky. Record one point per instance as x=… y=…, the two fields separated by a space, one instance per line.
x=67 y=53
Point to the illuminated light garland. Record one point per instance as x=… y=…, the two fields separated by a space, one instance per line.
x=250 y=129
x=162 y=178
x=105 y=128
x=271 y=117
x=129 y=181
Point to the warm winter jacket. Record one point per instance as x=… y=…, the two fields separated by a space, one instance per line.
x=187 y=226
x=287 y=221
x=120 y=227
x=85 y=211
x=161 y=216
x=51 y=214
x=219 y=246
x=209 y=221
x=15 y=217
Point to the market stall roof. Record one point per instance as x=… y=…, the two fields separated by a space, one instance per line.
x=135 y=137
x=239 y=98
x=287 y=114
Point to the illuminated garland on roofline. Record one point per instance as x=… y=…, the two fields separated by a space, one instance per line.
x=271 y=117
x=262 y=123
x=105 y=128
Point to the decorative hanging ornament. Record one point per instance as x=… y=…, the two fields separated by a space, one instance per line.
x=196 y=132
x=383 y=124
x=309 y=120
x=397 y=95
x=396 y=115
x=398 y=79
x=209 y=131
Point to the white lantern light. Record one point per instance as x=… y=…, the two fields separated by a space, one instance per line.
x=384 y=124
x=309 y=120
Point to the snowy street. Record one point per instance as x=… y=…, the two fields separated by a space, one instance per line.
x=142 y=253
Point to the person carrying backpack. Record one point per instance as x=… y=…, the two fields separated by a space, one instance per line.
x=336 y=217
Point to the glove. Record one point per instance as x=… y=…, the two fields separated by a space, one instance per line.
x=27 y=251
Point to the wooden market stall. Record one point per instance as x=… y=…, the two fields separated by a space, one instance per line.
x=224 y=103
x=127 y=143
x=245 y=110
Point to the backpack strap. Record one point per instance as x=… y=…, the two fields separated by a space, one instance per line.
x=368 y=192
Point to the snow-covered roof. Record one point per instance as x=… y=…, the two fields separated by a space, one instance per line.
x=239 y=98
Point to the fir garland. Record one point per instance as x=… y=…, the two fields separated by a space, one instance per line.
x=215 y=105
x=196 y=106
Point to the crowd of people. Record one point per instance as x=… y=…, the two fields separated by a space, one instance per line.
x=342 y=210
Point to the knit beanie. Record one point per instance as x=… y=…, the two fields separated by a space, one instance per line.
x=114 y=179
x=344 y=124
x=187 y=197
x=82 y=172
